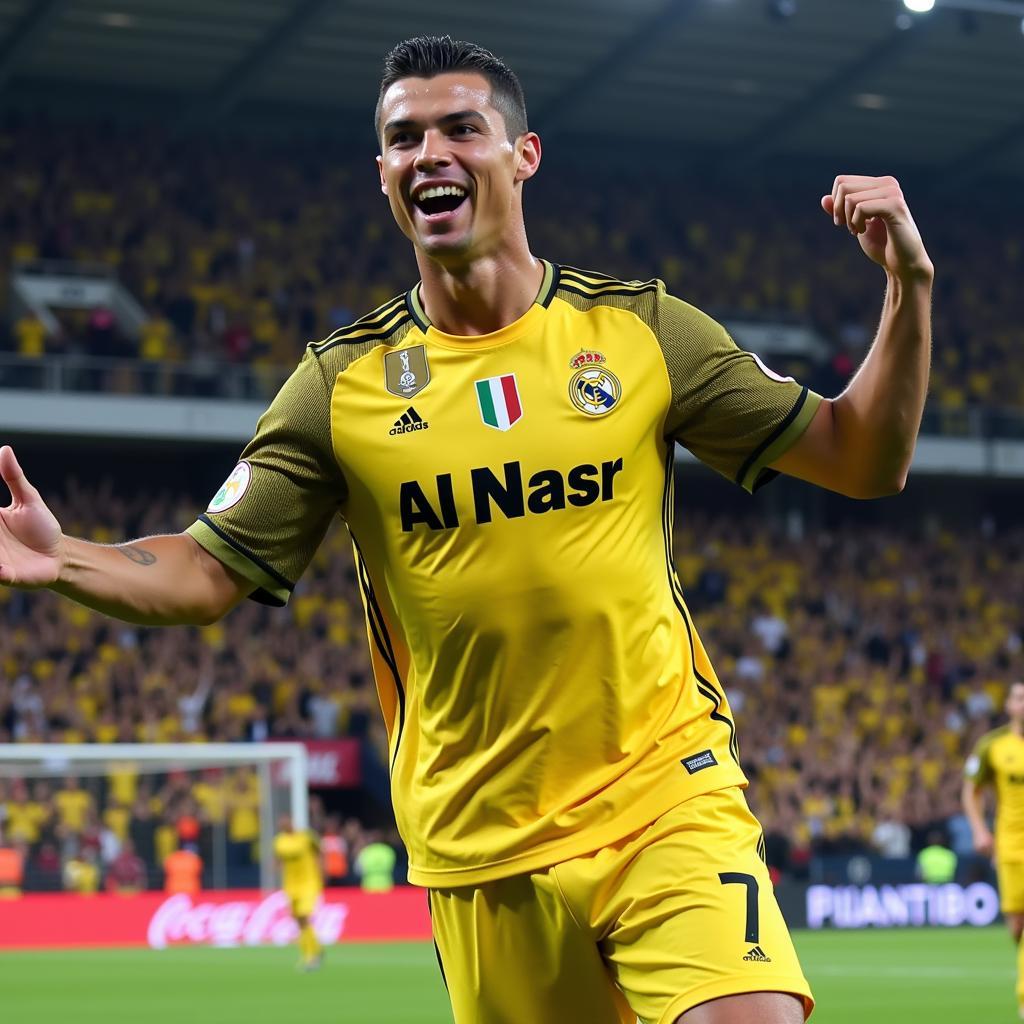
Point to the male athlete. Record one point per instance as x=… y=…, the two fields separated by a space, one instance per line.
x=499 y=440
x=998 y=759
x=302 y=880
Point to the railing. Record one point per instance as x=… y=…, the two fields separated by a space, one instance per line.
x=94 y=375
x=233 y=382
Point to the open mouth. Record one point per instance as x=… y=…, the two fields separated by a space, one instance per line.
x=437 y=202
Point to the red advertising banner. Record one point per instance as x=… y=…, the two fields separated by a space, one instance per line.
x=233 y=917
x=332 y=764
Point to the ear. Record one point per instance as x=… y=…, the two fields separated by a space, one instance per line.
x=529 y=150
x=380 y=169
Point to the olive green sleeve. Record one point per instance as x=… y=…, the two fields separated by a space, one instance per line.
x=273 y=511
x=978 y=768
x=727 y=407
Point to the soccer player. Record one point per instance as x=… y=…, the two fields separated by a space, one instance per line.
x=302 y=881
x=998 y=760
x=499 y=440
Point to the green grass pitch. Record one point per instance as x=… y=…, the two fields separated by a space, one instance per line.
x=958 y=976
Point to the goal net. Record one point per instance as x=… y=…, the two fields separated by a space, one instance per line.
x=110 y=815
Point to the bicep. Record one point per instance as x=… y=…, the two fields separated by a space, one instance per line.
x=814 y=455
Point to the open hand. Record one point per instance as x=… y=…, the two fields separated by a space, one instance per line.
x=983 y=843
x=875 y=211
x=30 y=536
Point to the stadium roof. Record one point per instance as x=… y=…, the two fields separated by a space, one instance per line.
x=837 y=79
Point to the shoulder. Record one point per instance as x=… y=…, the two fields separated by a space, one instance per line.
x=585 y=289
x=385 y=325
x=978 y=762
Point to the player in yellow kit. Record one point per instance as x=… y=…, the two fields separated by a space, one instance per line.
x=998 y=761
x=499 y=440
x=302 y=880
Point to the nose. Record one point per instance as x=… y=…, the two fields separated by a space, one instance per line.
x=433 y=151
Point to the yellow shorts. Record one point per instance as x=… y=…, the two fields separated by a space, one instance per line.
x=1010 y=874
x=303 y=902
x=671 y=916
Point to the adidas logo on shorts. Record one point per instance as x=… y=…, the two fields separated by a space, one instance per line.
x=409 y=421
x=757 y=953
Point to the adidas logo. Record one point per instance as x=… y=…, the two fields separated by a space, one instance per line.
x=409 y=421
x=757 y=953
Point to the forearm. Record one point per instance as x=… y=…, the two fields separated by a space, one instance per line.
x=157 y=581
x=877 y=418
x=971 y=801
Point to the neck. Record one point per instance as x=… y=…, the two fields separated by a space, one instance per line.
x=1017 y=727
x=484 y=295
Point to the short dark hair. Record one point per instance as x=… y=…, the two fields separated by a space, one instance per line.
x=427 y=56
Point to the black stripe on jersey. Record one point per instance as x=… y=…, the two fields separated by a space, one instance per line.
x=547 y=294
x=381 y=638
x=371 y=320
x=599 y=278
x=242 y=550
x=401 y=317
x=437 y=950
x=598 y=282
x=761 y=850
x=412 y=307
x=770 y=474
x=704 y=686
x=588 y=293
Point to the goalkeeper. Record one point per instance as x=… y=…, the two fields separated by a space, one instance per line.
x=302 y=881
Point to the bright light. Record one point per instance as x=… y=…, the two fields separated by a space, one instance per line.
x=919 y=6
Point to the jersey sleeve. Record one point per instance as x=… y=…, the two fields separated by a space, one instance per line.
x=273 y=511
x=978 y=767
x=727 y=407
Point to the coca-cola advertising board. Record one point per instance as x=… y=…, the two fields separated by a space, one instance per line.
x=331 y=764
x=231 y=917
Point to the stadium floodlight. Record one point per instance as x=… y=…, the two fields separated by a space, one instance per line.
x=919 y=6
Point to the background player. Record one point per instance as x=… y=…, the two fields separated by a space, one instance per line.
x=302 y=881
x=998 y=761
x=566 y=741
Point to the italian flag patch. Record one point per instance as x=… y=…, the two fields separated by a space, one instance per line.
x=498 y=398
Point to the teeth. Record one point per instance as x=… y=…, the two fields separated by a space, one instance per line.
x=441 y=190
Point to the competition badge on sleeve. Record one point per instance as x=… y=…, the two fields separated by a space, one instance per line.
x=594 y=389
x=232 y=490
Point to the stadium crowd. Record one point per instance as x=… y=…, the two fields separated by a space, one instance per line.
x=243 y=250
x=861 y=665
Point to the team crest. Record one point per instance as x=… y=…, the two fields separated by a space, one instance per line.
x=232 y=490
x=406 y=372
x=594 y=389
x=498 y=398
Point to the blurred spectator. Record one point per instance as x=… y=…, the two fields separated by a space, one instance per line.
x=375 y=864
x=127 y=872
x=936 y=863
x=183 y=871
x=334 y=849
x=12 y=867
x=81 y=872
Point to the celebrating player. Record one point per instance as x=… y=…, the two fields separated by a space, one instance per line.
x=499 y=440
x=302 y=881
x=998 y=759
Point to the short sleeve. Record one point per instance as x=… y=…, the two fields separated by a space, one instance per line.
x=727 y=407
x=978 y=767
x=272 y=512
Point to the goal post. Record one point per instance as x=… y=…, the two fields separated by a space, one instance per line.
x=280 y=771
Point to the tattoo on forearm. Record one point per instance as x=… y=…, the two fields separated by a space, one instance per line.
x=140 y=556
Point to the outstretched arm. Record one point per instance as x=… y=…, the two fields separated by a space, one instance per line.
x=166 y=580
x=861 y=444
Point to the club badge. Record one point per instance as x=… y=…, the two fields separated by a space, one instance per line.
x=594 y=389
x=406 y=371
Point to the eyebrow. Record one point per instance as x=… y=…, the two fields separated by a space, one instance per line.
x=459 y=115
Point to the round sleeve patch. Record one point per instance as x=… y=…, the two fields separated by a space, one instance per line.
x=973 y=766
x=771 y=374
x=232 y=490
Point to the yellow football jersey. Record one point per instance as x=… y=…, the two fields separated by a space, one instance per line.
x=998 y=759
x=299 y=855
x=510 y=501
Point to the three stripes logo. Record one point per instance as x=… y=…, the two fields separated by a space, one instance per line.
x=409 y=421
x=757 y=953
